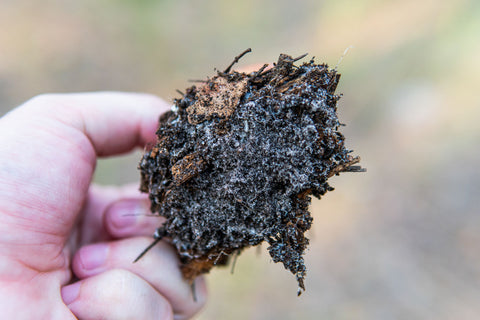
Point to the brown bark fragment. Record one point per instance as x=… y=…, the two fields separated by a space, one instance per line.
x=217 y=98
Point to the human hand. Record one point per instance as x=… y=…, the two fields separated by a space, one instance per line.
x=52 y=220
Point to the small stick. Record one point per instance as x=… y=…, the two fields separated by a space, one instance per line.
x=256 y=74
x=140 y=214
x=235 y=256
x=218 y=257
x=261 y=69
x=300 y=57
x=355 y=169
x=343 y=56
x=259 y=250
x=180 y=92
x=237 y=58
x=157 y=240
x=194 y=291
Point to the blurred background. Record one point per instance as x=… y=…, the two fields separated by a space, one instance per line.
x=401 y=241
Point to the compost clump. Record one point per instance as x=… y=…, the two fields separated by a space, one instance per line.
x=238 y=158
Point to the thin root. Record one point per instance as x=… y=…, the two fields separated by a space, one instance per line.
x=157 y=240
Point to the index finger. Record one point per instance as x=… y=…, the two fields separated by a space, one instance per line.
x=113 y=122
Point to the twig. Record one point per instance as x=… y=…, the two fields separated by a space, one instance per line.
x=234 y=262
x=218 y=257
x=237 y=58
x=343 y=56
x=157 y=240
x=194 y=291
x=300 y=57
x=256 y=74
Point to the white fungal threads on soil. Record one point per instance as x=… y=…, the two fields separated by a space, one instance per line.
x=237 y=160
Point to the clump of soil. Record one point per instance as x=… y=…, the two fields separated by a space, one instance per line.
x=238 y=158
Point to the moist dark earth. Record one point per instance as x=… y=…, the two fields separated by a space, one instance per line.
x=238 y=158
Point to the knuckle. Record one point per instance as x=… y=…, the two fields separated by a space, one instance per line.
x=132 y=297
x=45 y=101
x=152 y=97
x=117 y=285
x=154 y=100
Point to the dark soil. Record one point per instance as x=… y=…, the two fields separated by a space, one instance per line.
x=237 y=160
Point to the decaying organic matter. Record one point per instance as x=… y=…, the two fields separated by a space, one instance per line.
x=238 y=158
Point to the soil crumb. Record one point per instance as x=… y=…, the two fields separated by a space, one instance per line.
x=238 y=158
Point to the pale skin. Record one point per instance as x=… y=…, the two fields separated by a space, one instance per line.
x=67 y=246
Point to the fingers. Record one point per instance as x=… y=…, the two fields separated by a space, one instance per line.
x=117 y=212
x=159 y=267
x=51 y=144
x=116 y=294
x=113 y=122
x=131 y=217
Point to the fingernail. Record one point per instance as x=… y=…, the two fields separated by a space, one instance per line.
x=70 y=293
x=125 y=212
x=93 y=256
